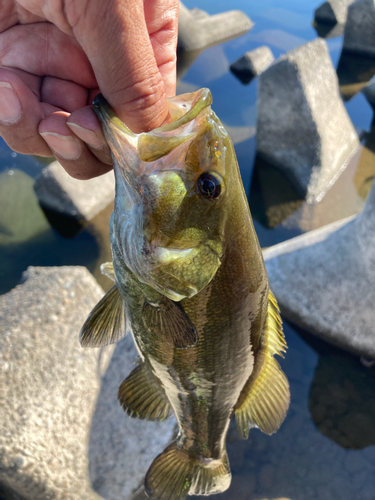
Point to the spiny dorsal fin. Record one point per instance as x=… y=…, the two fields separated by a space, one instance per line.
x=168 y=321
x=265 y=398
x=142 y=397
x=174 y=475
x=106 y=323
x=107 y=270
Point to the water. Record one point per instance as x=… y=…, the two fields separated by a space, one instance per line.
x=325 y=450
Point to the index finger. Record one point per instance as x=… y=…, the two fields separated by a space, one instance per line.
x=130 y=62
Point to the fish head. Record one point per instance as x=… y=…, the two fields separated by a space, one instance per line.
x=172 y=191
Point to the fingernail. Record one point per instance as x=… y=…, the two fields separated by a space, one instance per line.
x=87 y=136
x=10 y=107
x=63 y=145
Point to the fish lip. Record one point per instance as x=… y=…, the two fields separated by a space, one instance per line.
x=105 y=113
x=115 y=131
x=202 y=99
x=99 y=104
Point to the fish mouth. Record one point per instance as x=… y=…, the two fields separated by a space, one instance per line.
x=183 y=109
x=187 y=119
x=135 y=154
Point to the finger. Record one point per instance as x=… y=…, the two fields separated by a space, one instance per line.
x=48 y=109
x=43 y=50
x=32 y=81
x=124 y=62
x=20 y=114
x=71 y=152
x=63 y=94
x=162 y=23
x=85 y=125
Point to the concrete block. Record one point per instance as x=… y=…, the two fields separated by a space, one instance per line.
x=63 y=435
x=359 y=35
x=21 y=215
x=328 y=30
x=342 y=405
x=369 y=93
x=324 y=281
x=333 y=11
x=354 y=72
x=197 y=30
x=252 y=63
x=81 y=200
x=302 y=126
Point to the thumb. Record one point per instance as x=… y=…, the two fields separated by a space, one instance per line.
x=131 y=45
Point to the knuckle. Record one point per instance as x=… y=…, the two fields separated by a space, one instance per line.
x=24 y=144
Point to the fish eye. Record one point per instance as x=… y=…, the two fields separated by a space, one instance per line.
x=210 y=185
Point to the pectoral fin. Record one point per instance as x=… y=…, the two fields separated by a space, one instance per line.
x=142 y=397
x=106 y=323
x=169 y=322
x=107 y=270
x=265 y=398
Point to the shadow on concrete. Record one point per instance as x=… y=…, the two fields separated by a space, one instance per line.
x=354 y=72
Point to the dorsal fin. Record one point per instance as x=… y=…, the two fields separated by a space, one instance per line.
x=169 y=322
x=141 y=396
x=265 y=398
x=107 y=322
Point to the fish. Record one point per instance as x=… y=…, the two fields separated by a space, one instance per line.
x=191 y=286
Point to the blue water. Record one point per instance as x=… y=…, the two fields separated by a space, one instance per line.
x=325 y=450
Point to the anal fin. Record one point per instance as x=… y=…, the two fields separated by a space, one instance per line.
x=107 y=322
x=265 y=399
x=142 y=397
x=174 y=474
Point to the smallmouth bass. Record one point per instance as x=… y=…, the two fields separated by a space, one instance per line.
x=191 y=285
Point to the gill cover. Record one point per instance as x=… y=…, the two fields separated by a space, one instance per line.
x=169 y=214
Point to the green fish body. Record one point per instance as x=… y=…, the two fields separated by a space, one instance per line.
x=191 y=284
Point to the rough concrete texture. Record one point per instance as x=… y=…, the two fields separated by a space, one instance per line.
x=324 y=281
x=121 y=448
x=252 y=63
x=82 y=200
x=333 y=11
x=359 y=35
x=342 y=400
x=303 y=126
x=369 y=92
x=63 y=435
x=197 y=30
x=21 y=215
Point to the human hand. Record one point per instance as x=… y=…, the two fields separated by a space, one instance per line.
x=56 y=55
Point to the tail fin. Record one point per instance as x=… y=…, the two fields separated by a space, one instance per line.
x=173 y=475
